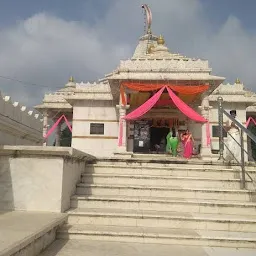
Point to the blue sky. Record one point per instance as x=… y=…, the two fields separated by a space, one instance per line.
x=217 y=10
x=44 y=42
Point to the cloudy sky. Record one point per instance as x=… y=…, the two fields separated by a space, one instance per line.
x=42 y=43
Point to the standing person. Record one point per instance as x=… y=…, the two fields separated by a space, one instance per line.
x=172 y=142
x=187 y=140
x=234 y=152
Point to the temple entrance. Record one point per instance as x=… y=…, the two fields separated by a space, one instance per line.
x=158 y=139
x=167 y=110
x=150 y=135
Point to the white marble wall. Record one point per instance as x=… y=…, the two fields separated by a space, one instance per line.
x=19 y=125
x=87 y=112
x=39 y=178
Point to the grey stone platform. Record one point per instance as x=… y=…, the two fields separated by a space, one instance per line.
x=27 y=233
x=100 y=248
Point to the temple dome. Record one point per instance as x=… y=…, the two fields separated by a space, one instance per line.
x=151 y=46
x=71 y=82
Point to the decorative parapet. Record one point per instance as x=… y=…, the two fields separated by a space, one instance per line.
x=230 y=89
x=19 y=114
x=251 y=108
x=56 y=97
x=91 y=91
x=164 y=65
x=93 y=87
x=233 y=93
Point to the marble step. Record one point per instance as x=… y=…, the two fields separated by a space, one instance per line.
x=158 y=235
x=161 y=219
x=164 y=204
x=104 y=248
x=170 y=181
x=184 y=171
x=158 y=162
x=145 y=160
x=24 y=233
x=166 y=192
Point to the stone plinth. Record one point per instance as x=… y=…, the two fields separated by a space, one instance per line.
x=39 y=178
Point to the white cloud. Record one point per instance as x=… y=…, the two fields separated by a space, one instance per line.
x=46 y=50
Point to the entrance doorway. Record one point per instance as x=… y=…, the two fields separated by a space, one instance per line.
x=158 y=139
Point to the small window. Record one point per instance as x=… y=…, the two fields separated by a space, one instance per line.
x=96 y=128
x=215 y=131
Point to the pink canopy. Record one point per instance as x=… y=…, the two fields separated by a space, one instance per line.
x=182 y=106
x=145 y=107
x=185 y=109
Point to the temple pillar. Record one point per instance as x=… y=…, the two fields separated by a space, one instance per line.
x=45 y=126
x=205 y=112
x=122 y=113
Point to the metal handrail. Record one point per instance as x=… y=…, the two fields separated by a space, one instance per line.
x=248 y=132
x=235 y=141
x=250 y=177
x=243 y=130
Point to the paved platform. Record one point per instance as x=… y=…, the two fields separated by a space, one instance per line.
x=20 y=229
x=100 y=248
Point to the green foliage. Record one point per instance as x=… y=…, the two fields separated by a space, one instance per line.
x=65 y=138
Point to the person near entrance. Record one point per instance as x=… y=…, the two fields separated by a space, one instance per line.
x=187 y=140
x=233 y=151
x=172 y=142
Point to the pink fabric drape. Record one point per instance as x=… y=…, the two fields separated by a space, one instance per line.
x=208 y=134
x=121 y=132
x=145 y=107
x=51 y=130
x=190 y=113
x=184 y=108
x=250 y=119
x=139 y=112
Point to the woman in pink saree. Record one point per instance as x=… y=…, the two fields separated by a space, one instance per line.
x=187 y=140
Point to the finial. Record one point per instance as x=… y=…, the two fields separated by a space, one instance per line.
x=148 y=15
x=71 y=79
x=238 y=81
x=160 y=40
x=71 y=82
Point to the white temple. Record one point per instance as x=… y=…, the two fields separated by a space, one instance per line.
x=102 y=190
x=95 y=109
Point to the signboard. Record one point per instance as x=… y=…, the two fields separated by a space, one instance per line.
x=141 y=142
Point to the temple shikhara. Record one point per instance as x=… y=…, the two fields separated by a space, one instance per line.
x=134 y=107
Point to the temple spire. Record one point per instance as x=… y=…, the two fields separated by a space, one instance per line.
x=148 y=14
x=238 y=81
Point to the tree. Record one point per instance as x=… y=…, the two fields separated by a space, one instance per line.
x=252 y=128
x=65 y=137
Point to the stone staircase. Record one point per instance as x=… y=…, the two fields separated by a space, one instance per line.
x=163 y=200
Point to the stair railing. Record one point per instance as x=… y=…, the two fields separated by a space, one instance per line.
x=222 y=144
